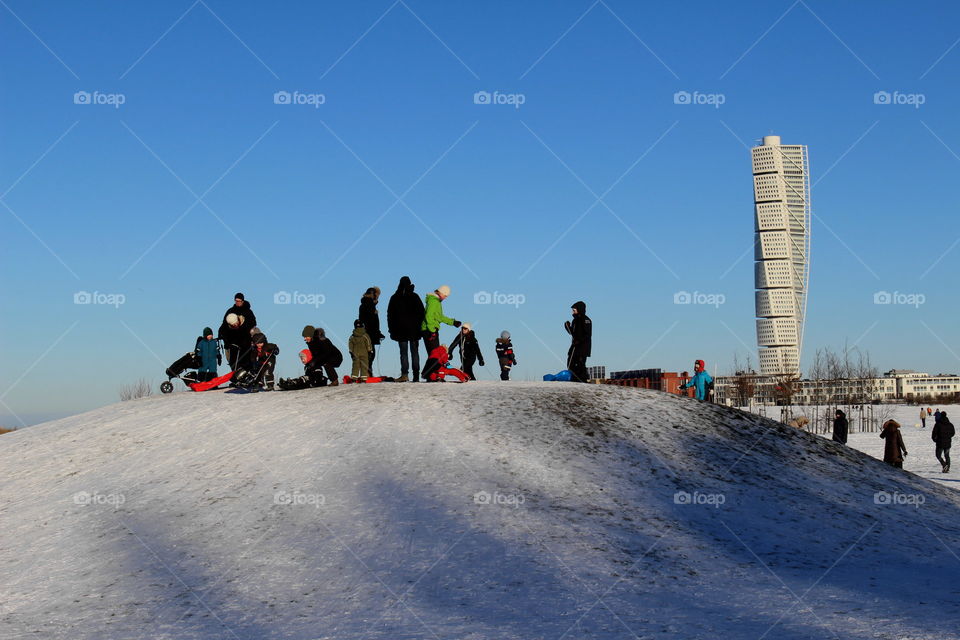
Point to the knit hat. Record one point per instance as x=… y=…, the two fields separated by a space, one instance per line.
x=306 y=356
x=444 y=290
x=207 y=331
x=238 y=295
x=504 y=335
x=233 y=319
x=308 y=331
x=357 y=324
x=467 y=326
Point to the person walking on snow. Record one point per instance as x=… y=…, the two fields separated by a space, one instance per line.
x=505 y=355
x=405 y=314
x=325 y=355
x=581 y=341
x=208 y=351
x=433 y=317
x=894 y=451
x=840 y=427
x=469 y=346
x=370 y=318
x=700 y=381
x=942 y=434
x=923 y=418
x=361 y=351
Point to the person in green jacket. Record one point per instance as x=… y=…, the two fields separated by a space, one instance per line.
x=433 y=317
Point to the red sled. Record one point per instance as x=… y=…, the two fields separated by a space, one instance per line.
x=436 y=369
x=210 y=384
x=368 y=379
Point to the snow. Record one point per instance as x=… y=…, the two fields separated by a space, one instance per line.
x=482 y=510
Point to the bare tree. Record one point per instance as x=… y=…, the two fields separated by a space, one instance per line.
x=139 y=389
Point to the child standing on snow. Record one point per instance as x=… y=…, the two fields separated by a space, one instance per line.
x=701 y=381
x=466 y=340
x=208 y=350
x=361 y=350
x=505 y=355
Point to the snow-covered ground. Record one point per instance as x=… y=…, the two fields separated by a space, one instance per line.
x=485 y=510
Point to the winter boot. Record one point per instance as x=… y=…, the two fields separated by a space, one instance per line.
x=334 y=382
x=403 y=378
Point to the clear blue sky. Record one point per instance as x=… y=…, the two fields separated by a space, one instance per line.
x=297 y=197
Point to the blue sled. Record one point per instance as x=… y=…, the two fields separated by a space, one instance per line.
x=563 y=376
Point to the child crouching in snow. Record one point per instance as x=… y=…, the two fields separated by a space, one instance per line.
x=436 y=368
x=361 y=350
x=312 y=376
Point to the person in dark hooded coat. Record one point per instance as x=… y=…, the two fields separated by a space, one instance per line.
x=942 y=435
x=324 y=354
x=581 y=341
x=370 y=318
x=894 y=451
x=405 y=314
x=840 y=427
x=234 y=331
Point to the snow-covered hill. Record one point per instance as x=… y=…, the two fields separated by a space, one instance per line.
x=515 y=510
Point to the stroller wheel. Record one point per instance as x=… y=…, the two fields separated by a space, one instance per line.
x=166 y=387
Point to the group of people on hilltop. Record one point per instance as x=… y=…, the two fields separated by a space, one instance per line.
x=894 y=449
x=410 y=320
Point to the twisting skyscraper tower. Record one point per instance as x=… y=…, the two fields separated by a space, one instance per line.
x=781 y=196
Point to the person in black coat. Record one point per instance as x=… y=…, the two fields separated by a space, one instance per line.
x=234 y=331
x=370 y=318
x=840 y=427
x=323 y=353
x=942 y=434
x=469 y=346
x=404 y=317
x=581 y=341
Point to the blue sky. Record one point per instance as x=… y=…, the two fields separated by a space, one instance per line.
x=598 y=187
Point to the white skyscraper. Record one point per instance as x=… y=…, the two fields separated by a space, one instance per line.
x=781 y=196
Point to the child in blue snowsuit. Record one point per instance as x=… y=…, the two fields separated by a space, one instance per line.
x=208 y=350
x=700 y=381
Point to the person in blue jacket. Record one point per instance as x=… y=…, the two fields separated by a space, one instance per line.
x=701 y=381
x=209 y=351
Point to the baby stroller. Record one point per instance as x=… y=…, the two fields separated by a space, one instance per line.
x=185 y=369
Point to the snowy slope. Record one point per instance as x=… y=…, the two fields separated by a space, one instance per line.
x=485 y=510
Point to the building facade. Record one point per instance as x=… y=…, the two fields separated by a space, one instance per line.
x=781 y=196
